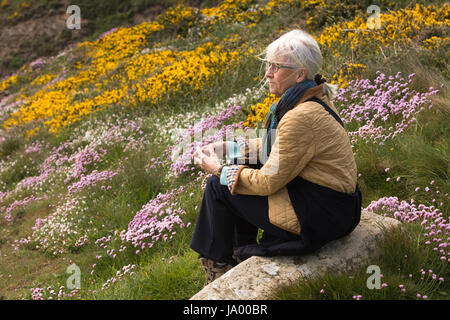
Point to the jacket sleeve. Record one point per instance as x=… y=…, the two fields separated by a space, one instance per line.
x=293 y=148
x=248 y=149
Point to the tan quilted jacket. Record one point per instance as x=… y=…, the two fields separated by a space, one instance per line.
x=309 y=143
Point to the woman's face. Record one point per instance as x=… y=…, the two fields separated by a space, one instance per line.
x=283 y=78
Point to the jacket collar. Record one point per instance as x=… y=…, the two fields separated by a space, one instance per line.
x=312 y=92
x=317 y=91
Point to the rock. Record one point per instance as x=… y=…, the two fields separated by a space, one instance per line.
x=257 y=277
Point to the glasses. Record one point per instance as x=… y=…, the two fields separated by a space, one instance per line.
x=276 y=66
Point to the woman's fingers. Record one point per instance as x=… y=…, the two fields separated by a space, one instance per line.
x=213 y=152
x=206 y=157
x=198 y=156
x=206 y=150
x=215 y=149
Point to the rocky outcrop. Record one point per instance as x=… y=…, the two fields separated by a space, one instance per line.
x=257 y=277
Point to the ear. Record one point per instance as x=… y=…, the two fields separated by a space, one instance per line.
x=301 y=76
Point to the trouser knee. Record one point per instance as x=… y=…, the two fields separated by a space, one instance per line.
x=214 y=188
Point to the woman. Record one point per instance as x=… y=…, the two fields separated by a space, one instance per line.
x=304 y=192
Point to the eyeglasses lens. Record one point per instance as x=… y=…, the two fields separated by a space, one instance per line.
x=271 y=65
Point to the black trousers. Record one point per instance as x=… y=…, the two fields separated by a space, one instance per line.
x=226 y=221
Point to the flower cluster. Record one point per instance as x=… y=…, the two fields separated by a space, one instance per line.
x=37 y=293
x=18 y=204
x=181 y=16
x=401 y=27
x=61 y=230
x=382 y=109
x=404 y=28
x=50 y=294
x=60 y=103
x=36 y=147
x=258 y=111
x=6 y=108
x=250 y=12
x=155 y=221
x=147 y=78
x=128 y=269
x=169 y=128
x=43 y=79
x=67 y=227
x=91 y=180
x=436 y=227
x=80 y=155
x=347 y=72
x=81 y=160
x=191 y=68
x=8 y=82
x=435 y=43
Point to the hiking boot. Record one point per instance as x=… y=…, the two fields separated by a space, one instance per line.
x=236 y=257
x=214 y=269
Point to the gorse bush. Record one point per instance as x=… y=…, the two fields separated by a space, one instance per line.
x=96 y=144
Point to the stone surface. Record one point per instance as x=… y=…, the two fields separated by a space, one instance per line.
x=257 y=277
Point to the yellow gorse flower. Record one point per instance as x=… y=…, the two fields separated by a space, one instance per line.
x=8 y=82
x=179 y=14
x=401 y=27
x=142 y=78
x=192 y=68
x=118 y=71
x=398 y=29
x=434 y=43
x=259 y=111
x=348 y=72
x=43 y=79
x=123 y=67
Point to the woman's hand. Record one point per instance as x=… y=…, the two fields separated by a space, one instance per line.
x=207 y=159
x=220 y=148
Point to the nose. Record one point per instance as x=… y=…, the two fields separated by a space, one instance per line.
x=269 y=73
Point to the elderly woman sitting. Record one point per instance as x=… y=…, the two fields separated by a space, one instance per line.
x=303 y=194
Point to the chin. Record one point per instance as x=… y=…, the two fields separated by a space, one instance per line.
x=276 y=93
x=273 y=91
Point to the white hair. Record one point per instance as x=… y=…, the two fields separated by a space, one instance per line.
x=302 y=50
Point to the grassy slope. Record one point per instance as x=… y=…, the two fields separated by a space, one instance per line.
x=33 y=29
x=155 y=278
